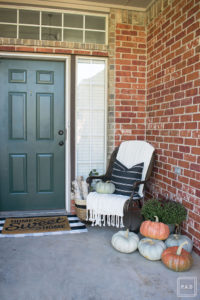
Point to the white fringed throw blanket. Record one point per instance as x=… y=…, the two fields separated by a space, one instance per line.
x=106 y=208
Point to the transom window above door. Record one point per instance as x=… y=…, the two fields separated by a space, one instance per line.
x=53 y=26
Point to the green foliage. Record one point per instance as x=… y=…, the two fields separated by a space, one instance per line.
x=151 y=209
x=174 y=213
x=168 y=212
x=93 y=172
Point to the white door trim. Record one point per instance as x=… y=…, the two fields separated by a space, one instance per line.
x=67 y=61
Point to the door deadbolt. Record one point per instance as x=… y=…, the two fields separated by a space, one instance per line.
x=61 y=143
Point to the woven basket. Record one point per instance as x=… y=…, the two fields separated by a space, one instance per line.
x=80 y=209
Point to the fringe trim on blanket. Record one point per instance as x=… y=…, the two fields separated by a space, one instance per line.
x=99 y=220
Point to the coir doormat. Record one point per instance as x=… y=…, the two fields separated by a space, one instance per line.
x=39 y=226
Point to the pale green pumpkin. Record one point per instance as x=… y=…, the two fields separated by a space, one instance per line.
x=125 y=241
x=105 y=187
x=151 y=249
x=177 y=240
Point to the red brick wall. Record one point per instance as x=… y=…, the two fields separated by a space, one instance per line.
x=130 y=82
x=173 y=107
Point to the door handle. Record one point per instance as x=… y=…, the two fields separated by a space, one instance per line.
x=61 y=143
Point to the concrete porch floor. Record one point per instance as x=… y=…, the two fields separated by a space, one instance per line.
x=83 y=266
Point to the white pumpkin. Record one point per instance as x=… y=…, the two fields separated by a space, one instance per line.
x=177 y=240
x=105 y=187
x=151 y=249
x=125 y=241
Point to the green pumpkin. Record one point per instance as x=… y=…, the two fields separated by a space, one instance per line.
x=105 y=187
x=125 y=241
x=151 y=249
x=177 y=240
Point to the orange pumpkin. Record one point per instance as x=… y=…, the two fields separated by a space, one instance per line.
x=177 y=259
x=155 y=230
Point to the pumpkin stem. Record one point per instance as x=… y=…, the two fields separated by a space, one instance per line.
x=127 y=232
x=180 y=248
x=176 y=236
x=157 y=220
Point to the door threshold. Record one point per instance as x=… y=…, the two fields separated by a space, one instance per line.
x=32 y=213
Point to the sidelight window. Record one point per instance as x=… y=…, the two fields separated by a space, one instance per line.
x=90 y=116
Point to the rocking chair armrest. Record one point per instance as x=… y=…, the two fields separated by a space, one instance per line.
x=135 y=184
x=90 y=178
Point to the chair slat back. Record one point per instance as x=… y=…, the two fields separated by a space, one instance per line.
x=134 y=152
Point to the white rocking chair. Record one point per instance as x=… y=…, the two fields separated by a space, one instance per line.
x=109 y=208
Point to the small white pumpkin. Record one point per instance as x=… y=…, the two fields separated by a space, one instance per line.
x=105 y=187
x=151 y=249
x=177 y=240
x=125 y=241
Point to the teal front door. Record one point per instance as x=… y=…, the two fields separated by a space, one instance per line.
x=32 y=135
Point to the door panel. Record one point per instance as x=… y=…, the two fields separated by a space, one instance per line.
x=17 y=111
x=18 y=173
x=45 y=173
x=44 y=116
x=32 y=163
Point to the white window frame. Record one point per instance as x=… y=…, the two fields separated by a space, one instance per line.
x=105 y=106
x=62 y=27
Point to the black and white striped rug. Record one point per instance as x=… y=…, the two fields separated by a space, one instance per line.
x=74 y=222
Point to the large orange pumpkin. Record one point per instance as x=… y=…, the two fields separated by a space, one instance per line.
x=176 y=258
x=155 y=230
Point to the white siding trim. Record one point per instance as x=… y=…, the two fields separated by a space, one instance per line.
x=76 y=4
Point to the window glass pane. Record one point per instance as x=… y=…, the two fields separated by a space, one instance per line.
x=82 y=169
x=90 y=116
x=8 y=15
x=93 y=22
x=95 y=37
x=83 y=96
x=83 y=149
x=83 y=117
x=74 y=21
x=73 y=35
x=29 y=17
x=29 y=32
x=97 y=143
x=97 y=121
x=51 y=34
x=98 y=91
x=8 y=31
x=51 y=19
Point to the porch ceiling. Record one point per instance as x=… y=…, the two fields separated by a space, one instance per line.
x=133 y=3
